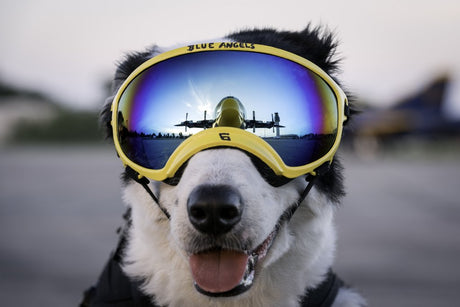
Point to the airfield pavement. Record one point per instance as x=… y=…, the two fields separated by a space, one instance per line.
x=398 y=242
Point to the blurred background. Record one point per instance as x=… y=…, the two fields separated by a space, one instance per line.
x=399 y=233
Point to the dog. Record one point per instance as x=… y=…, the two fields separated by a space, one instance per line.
x=259 y=252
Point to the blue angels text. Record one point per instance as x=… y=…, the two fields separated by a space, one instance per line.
x=220 y=46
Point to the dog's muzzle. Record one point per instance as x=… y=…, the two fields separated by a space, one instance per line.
x=221 y=271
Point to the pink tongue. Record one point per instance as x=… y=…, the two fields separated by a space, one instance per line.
x=218 y=271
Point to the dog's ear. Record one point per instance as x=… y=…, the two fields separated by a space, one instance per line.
x=332 y=182
x=124 y=68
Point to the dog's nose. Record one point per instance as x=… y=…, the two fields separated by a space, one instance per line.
x=214 y=210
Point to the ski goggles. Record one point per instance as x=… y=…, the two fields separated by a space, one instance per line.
x=268 y=102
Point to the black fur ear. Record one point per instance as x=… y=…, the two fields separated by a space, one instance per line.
x=105 y=117
x=124 y=69
x=331 y=183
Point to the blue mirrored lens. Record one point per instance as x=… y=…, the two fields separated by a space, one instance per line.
x=281 y=101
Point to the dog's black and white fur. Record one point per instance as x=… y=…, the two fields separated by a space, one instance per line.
x=154 y=252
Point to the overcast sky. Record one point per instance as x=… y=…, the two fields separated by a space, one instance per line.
x=69 y=48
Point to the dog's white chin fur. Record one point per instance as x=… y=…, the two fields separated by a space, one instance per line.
x=299 y=257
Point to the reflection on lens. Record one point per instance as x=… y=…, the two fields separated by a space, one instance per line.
x=283 y=102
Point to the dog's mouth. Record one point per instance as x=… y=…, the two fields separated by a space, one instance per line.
x=222 y=272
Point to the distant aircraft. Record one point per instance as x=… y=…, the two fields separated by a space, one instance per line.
x=420 y=114
x=230 y=113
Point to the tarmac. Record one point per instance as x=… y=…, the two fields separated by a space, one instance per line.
x=398 y=242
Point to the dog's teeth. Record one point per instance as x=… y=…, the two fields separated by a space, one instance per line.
x=249 y=274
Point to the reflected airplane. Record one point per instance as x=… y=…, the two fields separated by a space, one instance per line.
x=230 y=113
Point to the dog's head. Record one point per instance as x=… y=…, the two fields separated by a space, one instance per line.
x=231 y=226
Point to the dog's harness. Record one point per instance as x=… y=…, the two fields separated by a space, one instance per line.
x=115 y=289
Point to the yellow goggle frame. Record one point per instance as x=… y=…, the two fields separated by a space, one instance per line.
x=229 y=136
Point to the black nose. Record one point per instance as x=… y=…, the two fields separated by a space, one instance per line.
x=214 y=210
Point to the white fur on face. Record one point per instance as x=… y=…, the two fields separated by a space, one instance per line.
x=299 y=257
x=262 y=203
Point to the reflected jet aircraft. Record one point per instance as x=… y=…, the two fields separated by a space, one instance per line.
x=230 y=112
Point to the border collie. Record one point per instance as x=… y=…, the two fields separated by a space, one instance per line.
x=152 y=266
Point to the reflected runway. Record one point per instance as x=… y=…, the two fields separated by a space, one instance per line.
x=399 y=230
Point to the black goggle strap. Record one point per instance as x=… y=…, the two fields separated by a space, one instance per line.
x=311 y=179
x=143 y=181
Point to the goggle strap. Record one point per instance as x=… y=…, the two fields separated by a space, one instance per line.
x=287 y=215
x=143 y=181
x=310 y=178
